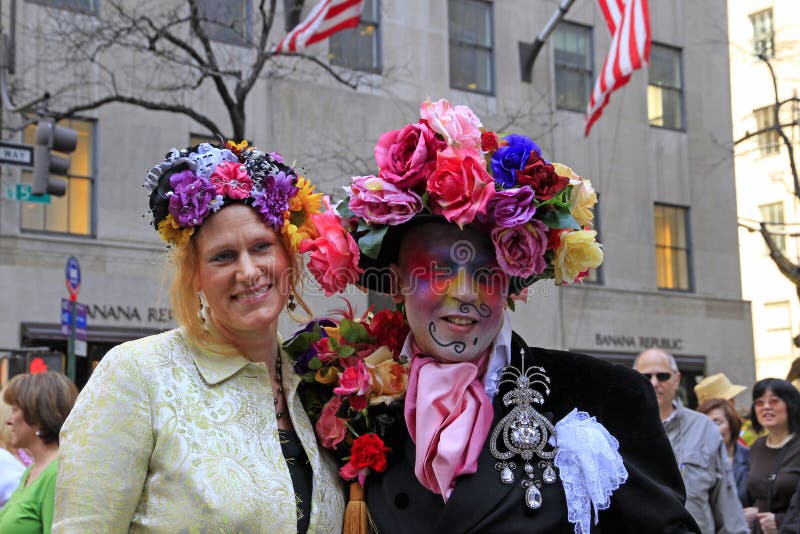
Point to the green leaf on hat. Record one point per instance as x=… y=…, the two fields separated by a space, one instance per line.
x=560 y=217
x=344 y=209
x=370 y=243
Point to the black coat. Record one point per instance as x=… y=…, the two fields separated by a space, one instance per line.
x=651 y=500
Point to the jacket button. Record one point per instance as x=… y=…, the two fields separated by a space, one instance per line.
x=401 y=501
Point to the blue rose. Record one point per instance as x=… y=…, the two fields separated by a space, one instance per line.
x=510 y=158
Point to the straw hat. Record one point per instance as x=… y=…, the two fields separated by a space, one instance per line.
x=716 y=387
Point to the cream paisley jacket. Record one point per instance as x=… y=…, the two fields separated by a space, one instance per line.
x=168 y=438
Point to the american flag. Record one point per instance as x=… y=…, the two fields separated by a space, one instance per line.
x=629 y=24
x=327 y=18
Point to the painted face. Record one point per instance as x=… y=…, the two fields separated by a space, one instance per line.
x=453 y=289
x=718 y=416
x=655 y=365
x=23 y=435
x=771 y=411
x=243 y=270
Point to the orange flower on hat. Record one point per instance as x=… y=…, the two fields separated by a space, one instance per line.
x=170 y=232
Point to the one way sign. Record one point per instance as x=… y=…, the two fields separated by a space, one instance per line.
x=14 y=154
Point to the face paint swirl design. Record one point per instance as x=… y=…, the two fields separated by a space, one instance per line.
x=458 y=346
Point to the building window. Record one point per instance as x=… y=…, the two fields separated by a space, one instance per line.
x=471 y=45
x=672 y=247
x=72 y=213
x=772 y=215
x=768 y=143
x=777 y=317
x=228 y=22
x=763 y=33
x=665 y=89
x=359 y=48
x=81 y=6
x=572 y=51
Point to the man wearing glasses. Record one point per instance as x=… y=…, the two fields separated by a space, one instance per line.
x=710 y=491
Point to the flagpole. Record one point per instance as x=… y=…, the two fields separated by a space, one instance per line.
x=528 y=52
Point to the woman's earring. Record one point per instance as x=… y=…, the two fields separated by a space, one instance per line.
x=291 y=305
x=204 y=307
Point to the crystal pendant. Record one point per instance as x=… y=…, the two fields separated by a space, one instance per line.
x=549 y=474
x=506 y=476
x=533 y=497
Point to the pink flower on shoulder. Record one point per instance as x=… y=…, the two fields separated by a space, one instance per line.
x=460 y=188
x=334 y=254
x=331 y=429
x=380 y=202
x=458 y=125
x=231 y=179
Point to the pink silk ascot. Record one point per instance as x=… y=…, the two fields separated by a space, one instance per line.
x=448 y=415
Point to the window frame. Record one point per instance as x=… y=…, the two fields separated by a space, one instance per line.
x=377 y=67
x=65 y=5
x=92 y=179
x=766 y=148
x=687 y=248
x=780 y=239
x=664 y=87
x=210 y=27
x=572 y=68
x=763 y=37
x=451 y=43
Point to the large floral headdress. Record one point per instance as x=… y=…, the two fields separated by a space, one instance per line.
x=191 y=184
x=446 y=167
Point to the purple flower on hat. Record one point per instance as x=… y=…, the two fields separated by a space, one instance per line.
x=378 y=201
x=510 y=158
x=190 y=198
x=272 y=198
x=520 y=250
x=510 y=207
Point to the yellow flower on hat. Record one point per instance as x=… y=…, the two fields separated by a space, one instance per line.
x=297 y=223
x=582 y=199
x=170 y=232
x=578 y=252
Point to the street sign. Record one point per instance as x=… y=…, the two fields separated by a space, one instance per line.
x=24 y=193
x=80 y=329
x=73 y=277
x=16 y=154
x=66 y=317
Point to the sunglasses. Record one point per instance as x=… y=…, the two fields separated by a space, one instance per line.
x=662 y=377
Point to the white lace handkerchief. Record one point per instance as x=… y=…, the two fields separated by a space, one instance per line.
x=590 y=467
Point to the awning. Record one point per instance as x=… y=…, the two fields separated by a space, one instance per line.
x=96 y=334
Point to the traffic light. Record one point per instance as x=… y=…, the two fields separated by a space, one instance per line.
x=51 y=137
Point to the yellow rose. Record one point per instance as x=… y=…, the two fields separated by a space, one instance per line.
x=582 y=199
x=577 y=252
x=389 y=378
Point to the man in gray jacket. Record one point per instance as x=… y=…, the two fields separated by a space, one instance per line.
x=710 y=491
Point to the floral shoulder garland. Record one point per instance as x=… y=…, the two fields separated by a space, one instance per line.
x=350 y=367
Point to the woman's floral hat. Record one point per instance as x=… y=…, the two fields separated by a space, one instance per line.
x=446 y=166
x=191 y=184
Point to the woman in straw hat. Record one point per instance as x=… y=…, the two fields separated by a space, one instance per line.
x=492 y=435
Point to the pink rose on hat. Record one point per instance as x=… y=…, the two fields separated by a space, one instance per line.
x=520 y=249
x=380 y=202
x=406 y=157
x=459 y=189
x=334 y=254
x=458 y=125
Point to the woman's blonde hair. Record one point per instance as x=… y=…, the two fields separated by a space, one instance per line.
x=186 y=301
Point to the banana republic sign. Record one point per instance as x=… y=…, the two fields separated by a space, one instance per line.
x=618 y=341
x=129 y=314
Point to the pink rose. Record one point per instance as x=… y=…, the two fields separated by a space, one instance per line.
x=458 y=125
x=380 y=202
x=354 y=380
x=520 y=249
x=459 y=189
x=331 y=429
x=231 y=179
x=334 y=254
x=407 y=157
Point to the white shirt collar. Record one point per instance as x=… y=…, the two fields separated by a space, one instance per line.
x=499 y=358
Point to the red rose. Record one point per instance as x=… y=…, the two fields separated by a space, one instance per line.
x=542 y=177
x=555 y=238
x=390 y=329
x=358 y=402
x=368 y=452
x=407 y=157
x=459 y=188
x=489 y=141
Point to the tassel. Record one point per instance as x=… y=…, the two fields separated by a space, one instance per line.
x=356 y=513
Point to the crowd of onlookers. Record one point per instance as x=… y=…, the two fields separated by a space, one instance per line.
x=741 y=472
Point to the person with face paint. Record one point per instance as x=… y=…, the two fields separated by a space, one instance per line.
x=198 y=429
x=493 y=435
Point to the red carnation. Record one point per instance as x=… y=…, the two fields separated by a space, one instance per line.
x=368 y=452
x=489 y=141
x=390 y=329
x=542 y=177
